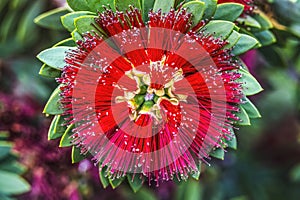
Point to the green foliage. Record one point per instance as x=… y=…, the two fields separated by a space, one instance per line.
x=250 y=108
x=11 y=183
x=66 y=139
x=135 y=182
x=77 y=156
x=78 y=5
x=103 y=177
x=188 y=190
x=147 y=5
x=210 y=8
x=54 y=57
x=219 y=28
x=57 y=127
x=228 y=11
x=218 y=153
x=49 y=72
x=164 y=6
x=116 y=182
x=68 y=19
x=249 y=83
x=51 y=19
x=53 y=106
x=197 y=9
x=244 y=44
x=123 y=5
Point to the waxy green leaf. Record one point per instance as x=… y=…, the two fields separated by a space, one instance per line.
x=97 y=5
x=103 y=177
x=197 y=9
x=164 y=6
x=232 y=39
x=123 y=5
x=77 y=156
x=78 y=5
x=68 y=19
x=49 y=72
x=116 y=182
x=147 y=5
x=66 y=139
x=249 y=84
x=54 y=57
x=53 y=106
x=219 y=28
x=57 y=127
x=12 y=184
x=244 y=44
x=244 y=119
x=135 y=182
x=265 y=37
x=228 y=11
x=218 y=153
x=250 y=108
x=51 y=19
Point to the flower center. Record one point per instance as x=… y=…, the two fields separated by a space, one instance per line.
x=154 y=85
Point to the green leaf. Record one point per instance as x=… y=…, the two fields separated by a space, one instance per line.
x=26 y=32
x=232 y=39
x=189 y=190
x=12 y=184
x=218 y=153
x=78 y=5
x=228 y=11
x=5 y=148
x=69 y=42
x=51 y=19
x=249 y=83
x=97 y=5
x=147 y=5
x=244 y=119
x=116 y=182
x=66 y=139
x=54 y=57
x=76 y=35
x=77 y=156
x=84 y=24
x=12 y=166
x=250 y=108
x=210 y=8
x=248 y=21
x=135 y=182
x=196 y=175
x=218 y=28
x=232 y=143
x=53 y=106
x=49 y=72
x=244 y=44
x=103 y=177
x=263 y=20
x=123 y=5
x=265 y=37
x=57 y=127
x=68 y=19
x=164 y=6
x=197 y=9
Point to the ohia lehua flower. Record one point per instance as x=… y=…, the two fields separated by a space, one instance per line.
x=150 y=89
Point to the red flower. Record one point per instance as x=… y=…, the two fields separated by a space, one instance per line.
x=153 y=98
x=249 y=4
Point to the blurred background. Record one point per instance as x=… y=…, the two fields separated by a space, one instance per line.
x=265 y=166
